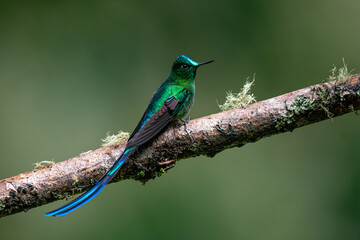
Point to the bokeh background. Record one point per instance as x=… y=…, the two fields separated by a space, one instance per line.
x=70 y=71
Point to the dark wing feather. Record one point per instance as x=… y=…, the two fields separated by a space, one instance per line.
x=138 y=126
x=157 y=122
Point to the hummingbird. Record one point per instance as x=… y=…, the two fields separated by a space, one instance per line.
x=172 y=101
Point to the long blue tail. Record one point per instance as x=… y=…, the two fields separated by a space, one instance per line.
x=78 y=202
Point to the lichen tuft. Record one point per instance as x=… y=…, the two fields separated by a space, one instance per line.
x=341 y=75
x=324 y=98
x=83 y=153
x=239 y=100
x=43 y=164
x=113 y=139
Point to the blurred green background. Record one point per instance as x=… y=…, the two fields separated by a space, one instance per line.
x=71 y=71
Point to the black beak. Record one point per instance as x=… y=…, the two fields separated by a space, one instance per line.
x=203 y=63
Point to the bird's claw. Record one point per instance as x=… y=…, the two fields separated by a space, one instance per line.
x=185 y=128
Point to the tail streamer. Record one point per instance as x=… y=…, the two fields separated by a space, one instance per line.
x=86 y=197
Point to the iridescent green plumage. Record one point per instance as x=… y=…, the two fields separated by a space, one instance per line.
x=171 y=101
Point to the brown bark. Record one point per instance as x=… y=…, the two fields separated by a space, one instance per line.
x=209 y=135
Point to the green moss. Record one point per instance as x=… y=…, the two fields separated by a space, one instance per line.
x=92 y=181
x=113 y=139
x=59 y=196
x=194 y=147
x=239 y=100
x=141 y=174
x=301 y=105
x=160 y=172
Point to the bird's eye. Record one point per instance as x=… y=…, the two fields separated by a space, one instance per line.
x=184 y=66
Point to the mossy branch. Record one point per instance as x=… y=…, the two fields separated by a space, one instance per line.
x=209 y=135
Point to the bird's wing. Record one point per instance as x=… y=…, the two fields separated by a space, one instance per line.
x=159 y=120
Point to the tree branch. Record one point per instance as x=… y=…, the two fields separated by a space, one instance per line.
x=209 y=135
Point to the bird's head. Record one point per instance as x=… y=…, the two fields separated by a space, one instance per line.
x=185 y=68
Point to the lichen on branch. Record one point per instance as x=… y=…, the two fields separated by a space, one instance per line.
x=240 y=99
x=113 y=139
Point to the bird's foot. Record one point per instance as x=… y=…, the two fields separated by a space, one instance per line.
x=185 y=128
x=167 y=164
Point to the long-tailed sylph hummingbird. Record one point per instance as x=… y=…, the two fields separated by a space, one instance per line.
x=170 y=102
